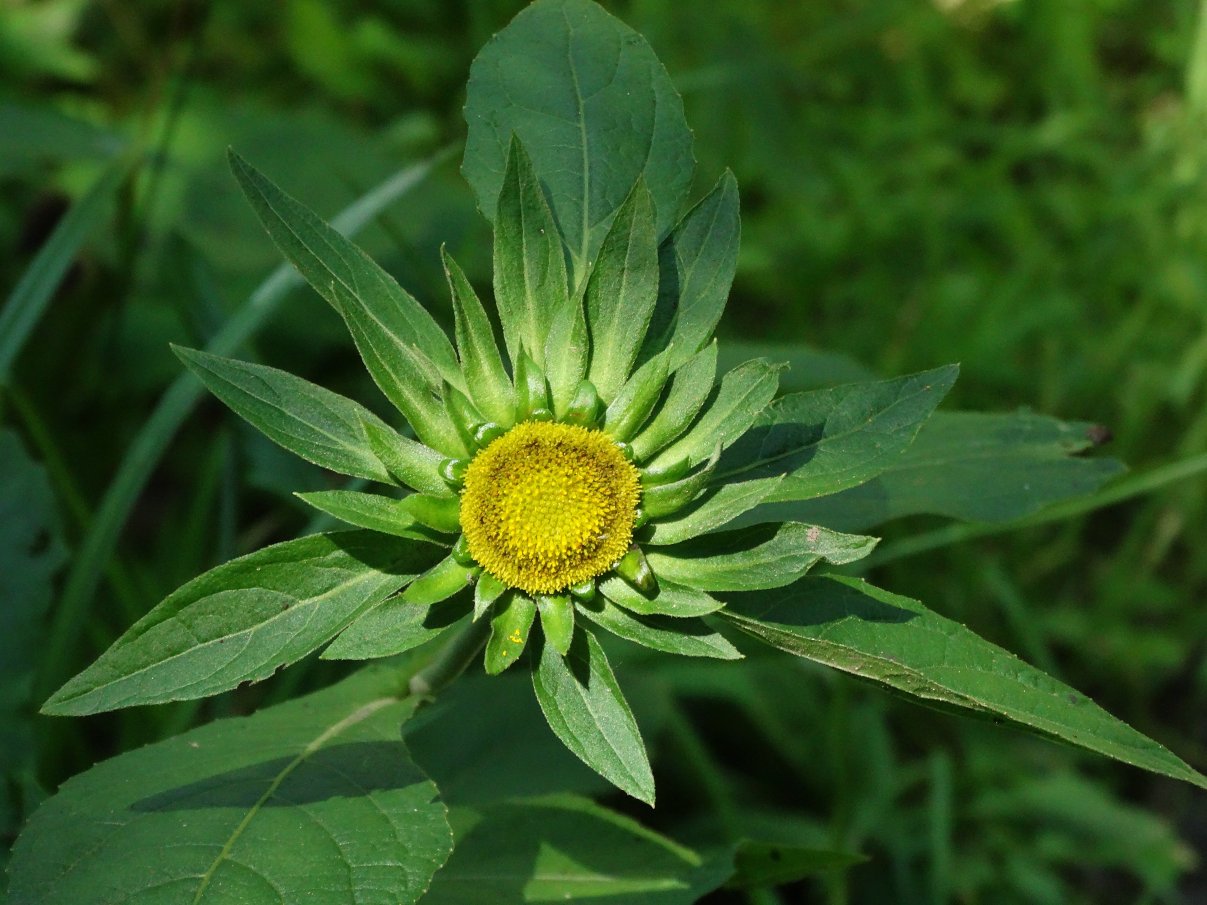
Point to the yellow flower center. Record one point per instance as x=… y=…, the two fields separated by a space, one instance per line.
x=547 y=506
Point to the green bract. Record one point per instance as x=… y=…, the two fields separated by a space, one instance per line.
x=593 y=473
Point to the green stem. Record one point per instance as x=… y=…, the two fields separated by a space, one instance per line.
x=452 y=660
x=1196 y=69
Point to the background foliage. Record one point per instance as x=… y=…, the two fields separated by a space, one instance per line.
x=1017 y=186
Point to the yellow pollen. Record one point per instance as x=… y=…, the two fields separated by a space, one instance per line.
x=547 y=506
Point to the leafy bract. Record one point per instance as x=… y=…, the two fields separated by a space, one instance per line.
x=828 y=440
x=595 y=109
x=563 y=848
x=585 y=709
x=243 y=620
x=320 y=426
x=392 y=627
x=485 y=376
x=718 y=507
x=850 y=625
x=372 y=511
x=976 y=466
x=314 y=800
x=686 y=637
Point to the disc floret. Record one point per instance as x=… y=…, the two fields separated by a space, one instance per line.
x=549 y=505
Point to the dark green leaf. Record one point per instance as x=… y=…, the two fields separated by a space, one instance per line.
x=696 y=265
x=243 y=620
x=828 y=440
x=974 y=466
x=719 y=507
x=530 y=267
x=687 y=637
x=850 y=625
x=621 y=293
x=690 y=388
x=670 y=599
x=393 y=626
x=773 y=864
x=369 y=510
x=586 y=710
x=320 y=426
x=509 y=631
x=764 y=556
x=314 y=800
x=485 y=377
x=594 y=107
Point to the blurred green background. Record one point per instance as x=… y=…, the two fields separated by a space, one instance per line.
x=1019 y=186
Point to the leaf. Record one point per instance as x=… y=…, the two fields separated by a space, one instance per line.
x=973 y=466
x=369 y=510
x=413 y=464
x=509 y=631
x=764 y=556
x=387 y=323
x=485 y=377
x=320 y=426
x=696 y=267
x=242 y=621
x=487 y=589
x=530 y=267
x=586 y=710
x=391 y=627
x=758 y=864
x=589 y=99
x=438 y=583
x=831 y=439
x=670 y=599
x=316 y=797
x=637 y=398
x=567 y=848
x=566 y=354
x=895 y=641
x=719 y=507
x=690 y=388
x=557 y=621
x=440 y=513
x=621 y=292
x=36 y=288
x=744 y=393
x=663 y=499
x=686 y=637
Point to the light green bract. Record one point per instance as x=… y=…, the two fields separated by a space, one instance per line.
x=593 y=471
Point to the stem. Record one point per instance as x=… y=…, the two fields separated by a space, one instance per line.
x=1196 y=70
x=452 y=659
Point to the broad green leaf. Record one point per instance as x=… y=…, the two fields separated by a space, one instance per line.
x=485 y=376
x=243 y=620
x=595 y=108
x=895 y=641
x=690 y=388
x=831 y=439
x=586 y=710
x=509 y=630
x=314 y=800
x=686 y=637
x=328 y=261
x=557 y=621
x=696 y=265
x=438 y=583
x=717 y=508
x=637 y=398
x=369 y=510
x=391 y=627
x=758 y=864
x=566 y=354
x=621 y=293
x=530 y=267
x=566 y=848
x=670 y=599
x=410 y=463
x=743 y=394
x=33 y=293
x=763 y=556
x=320 y=426
x=969 y=465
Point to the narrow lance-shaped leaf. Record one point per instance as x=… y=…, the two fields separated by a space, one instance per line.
x=686 y=637
x=668 y=599
x=828 y=440
x=408 y=462
x=690 y=388
x=485 y=377
x=372 y=511
x=328 y=261
x=621 y=293
x=719 y=507
x=566 y=355
x=763 y=556
x=585 y=709
x=509 y=630
x=557 y=621
x=696 y=266
x=320 y=426
x=895 y=641
x=393 y=626
x=316 y=795
x=530 y=268
x=637 y=398
x=243 y=620
x=591 y=102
